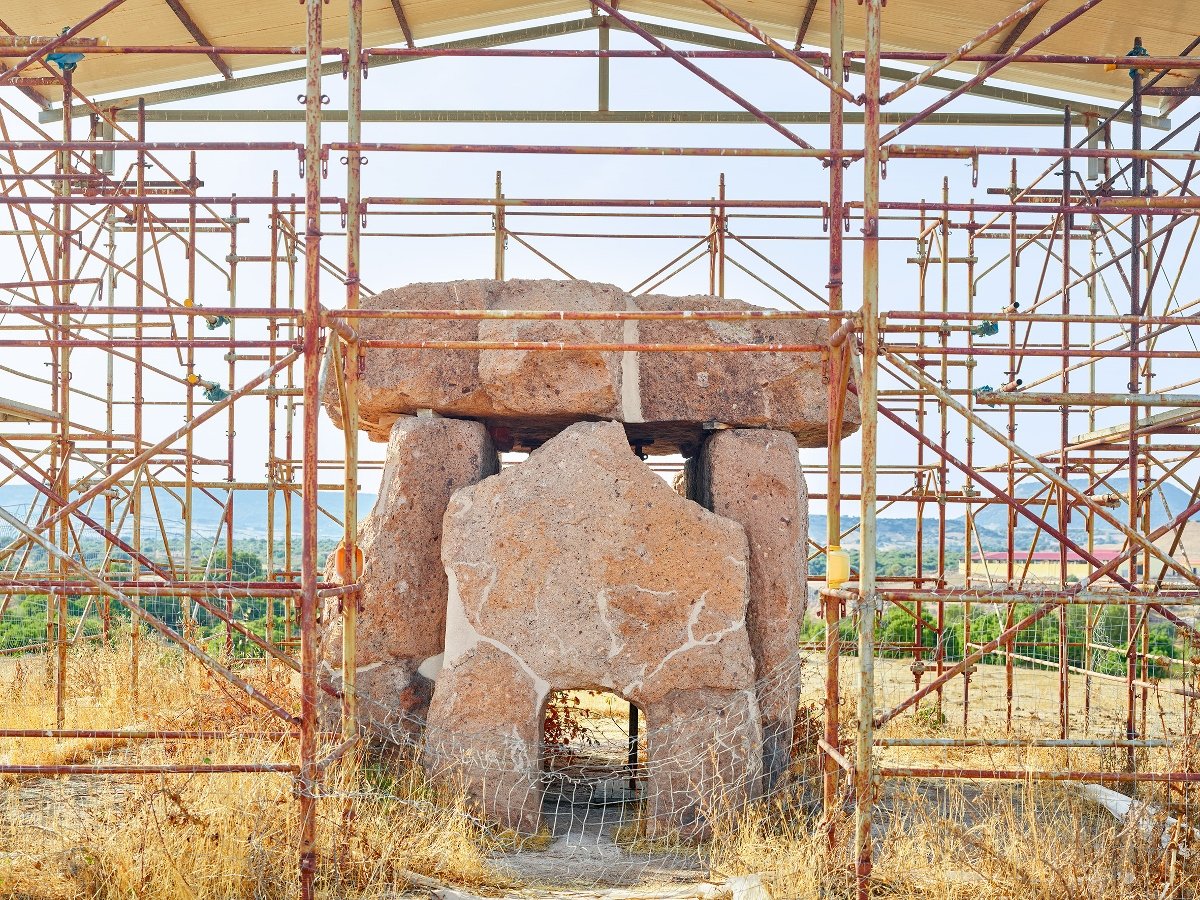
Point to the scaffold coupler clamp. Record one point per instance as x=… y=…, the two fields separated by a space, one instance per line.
x=869 y=602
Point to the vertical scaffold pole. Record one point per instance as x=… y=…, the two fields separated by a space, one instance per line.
x=1135 y=310
x=602 y=37
x=501 y=229
x=722 y=225
x=350 y=381
x=1064 y=511
x=864 y=766
x=312 y=363
x=65 y=168
x=833 y=516
x=139 y=300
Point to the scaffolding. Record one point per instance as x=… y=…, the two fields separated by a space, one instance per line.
x=109 y=264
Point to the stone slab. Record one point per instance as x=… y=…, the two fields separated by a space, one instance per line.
x=528 y=396
x=581 y=569
x=753 y=477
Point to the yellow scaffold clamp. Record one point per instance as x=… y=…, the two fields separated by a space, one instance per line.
x=213 y=322
x=1138 y=50
x=213 y=392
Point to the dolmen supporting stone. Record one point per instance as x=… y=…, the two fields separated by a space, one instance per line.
x=581 y=568
x=753 y=477
x=402 y=600
x=527 y=396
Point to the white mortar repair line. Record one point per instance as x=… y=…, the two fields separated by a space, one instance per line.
x=631 y=387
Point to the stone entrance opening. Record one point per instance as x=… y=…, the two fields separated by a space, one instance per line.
x=593 y=759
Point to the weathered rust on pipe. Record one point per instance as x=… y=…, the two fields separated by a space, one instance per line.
x=1021 y=398
x=124 y=469
x=69 y=35
x=74 y=309
x=604 y=315
x=558 y=346
x=843 y=331
x=306 y=781
x=143 y=735
x=792 y=56
x=993 y=68
x=987 y=34
x=839 y=359
x=158 y=570
x=177 y=769
x=1039 y=775
x=864 y=764
x=1045 y=472
x=338 y=752
x=1019 y=743
x=154 y=622
x=834 y=754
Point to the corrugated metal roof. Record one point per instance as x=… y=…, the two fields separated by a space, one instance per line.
x=1166 y=27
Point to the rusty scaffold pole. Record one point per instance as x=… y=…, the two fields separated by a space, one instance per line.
x=349 y=387
x=840 y=362
x=306 y=783
x=864 y=773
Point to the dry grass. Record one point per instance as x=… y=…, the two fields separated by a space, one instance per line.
x=1036 y=841
x=232 y=837
x=205 y=836
x=1096 y=709
x=1027 y=842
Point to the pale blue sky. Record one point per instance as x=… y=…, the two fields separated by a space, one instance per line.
x=636 y=84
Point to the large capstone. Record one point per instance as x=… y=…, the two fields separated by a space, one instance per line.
x=403 y=589
x=582 y=569
x=526 y=396
x=786 y=391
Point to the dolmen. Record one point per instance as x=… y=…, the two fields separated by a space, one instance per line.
x=484 y=591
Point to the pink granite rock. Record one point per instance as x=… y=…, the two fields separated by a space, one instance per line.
x=754 y=478
x=582 y=569
x=398 y=382
x=402 y=604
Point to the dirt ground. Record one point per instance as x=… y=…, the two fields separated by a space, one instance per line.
x=1097 y=704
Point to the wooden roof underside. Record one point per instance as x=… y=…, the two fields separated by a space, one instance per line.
x=1166 y=27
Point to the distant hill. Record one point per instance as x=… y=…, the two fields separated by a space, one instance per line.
x=250 y=517
x=892 y=532
x=991 y=521
x=249 y=510
x=1166 y=503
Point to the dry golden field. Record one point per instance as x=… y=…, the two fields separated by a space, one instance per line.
x=386 y=833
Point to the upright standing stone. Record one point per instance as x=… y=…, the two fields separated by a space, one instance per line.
x=754 y=478
x=582 y=569
x=402 y=603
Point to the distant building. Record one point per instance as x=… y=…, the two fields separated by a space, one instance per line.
x=1187 y=551
x=1041 y=566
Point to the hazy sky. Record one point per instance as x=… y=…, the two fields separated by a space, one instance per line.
x=636 y=84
